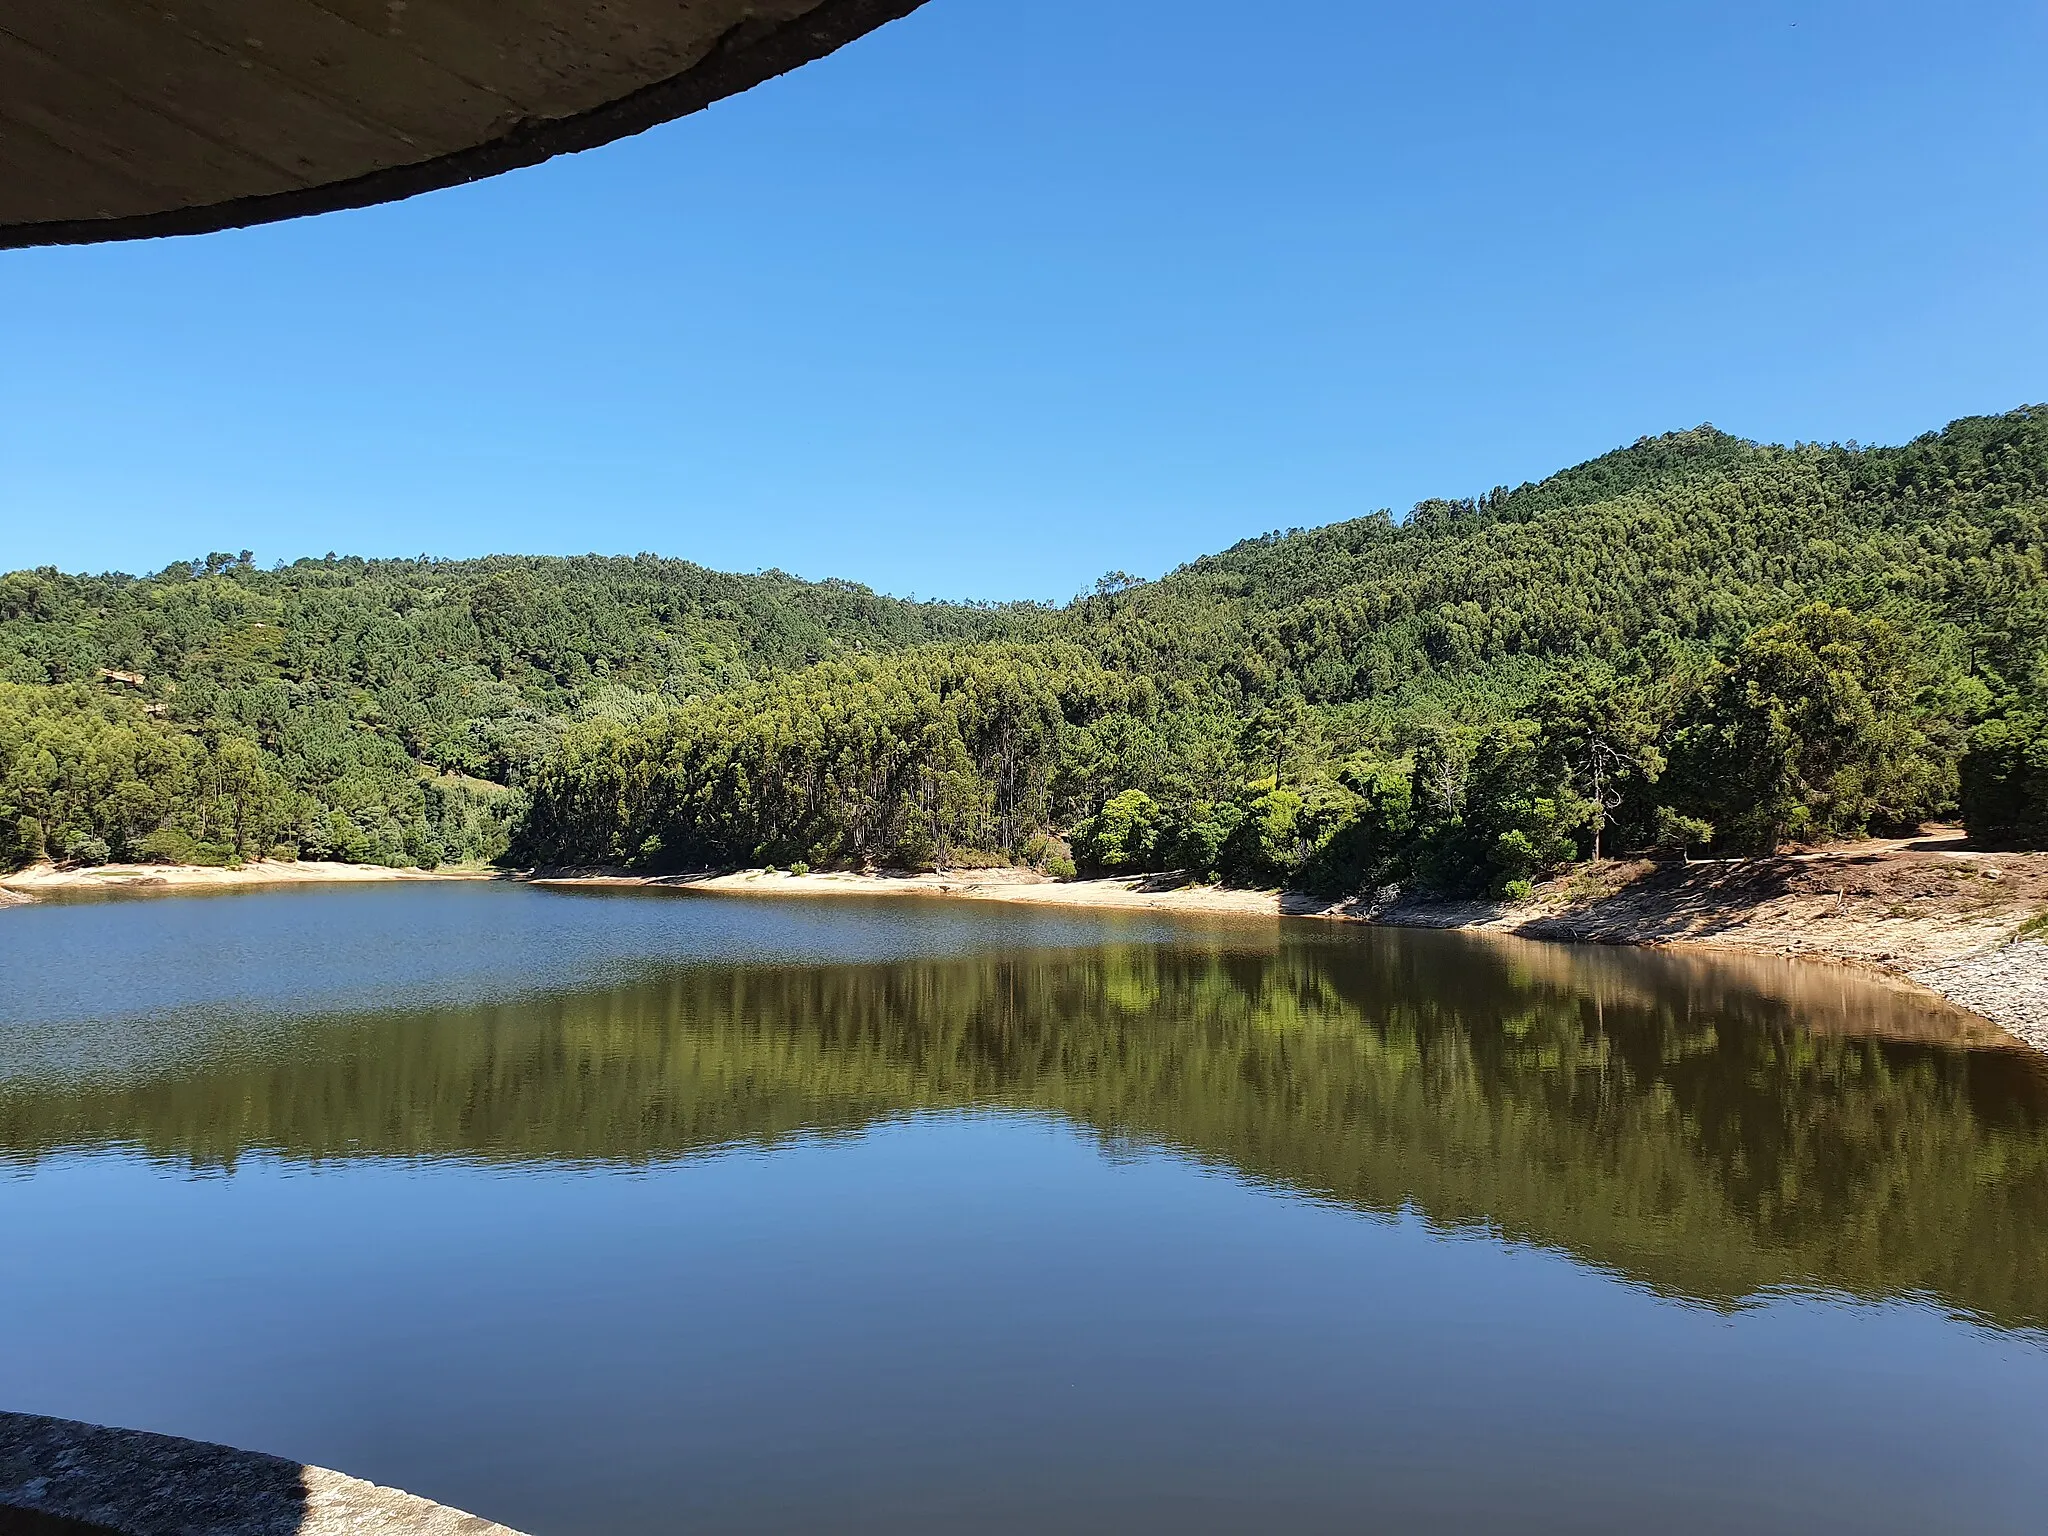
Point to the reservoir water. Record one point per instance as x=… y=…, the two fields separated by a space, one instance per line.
x=602 y=1214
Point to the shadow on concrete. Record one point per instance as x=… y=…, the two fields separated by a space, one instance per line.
x=63 y=1478
x=59 y=1476
x=29 y=1522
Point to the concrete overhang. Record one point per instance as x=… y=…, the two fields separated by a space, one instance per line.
x=121 y=119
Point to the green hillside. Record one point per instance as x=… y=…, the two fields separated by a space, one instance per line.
x=387 y=711
x=1694 y=639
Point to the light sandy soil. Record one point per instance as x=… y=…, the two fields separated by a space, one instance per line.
x=1898 y=905
x=47 y=879
x=1160 y=893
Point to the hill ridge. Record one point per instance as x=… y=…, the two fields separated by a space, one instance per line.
x=1417 y=700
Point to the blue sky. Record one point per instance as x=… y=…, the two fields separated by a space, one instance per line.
x=1015 y=292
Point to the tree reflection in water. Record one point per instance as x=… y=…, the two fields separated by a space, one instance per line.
x=1706 y=1129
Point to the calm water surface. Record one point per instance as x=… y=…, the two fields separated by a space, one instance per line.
x=647 y=1213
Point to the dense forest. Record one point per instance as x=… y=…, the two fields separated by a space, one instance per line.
x=1695 y=642
x=386 y=711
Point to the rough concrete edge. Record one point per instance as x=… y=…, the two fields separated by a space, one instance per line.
x=739 y=64
x=136 y=1483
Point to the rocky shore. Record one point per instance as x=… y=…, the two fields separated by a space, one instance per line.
x=2008 y=985
x=1929 y=910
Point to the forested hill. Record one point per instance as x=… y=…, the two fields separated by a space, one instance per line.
x=1694 y=640
x=1652 y=557
x=388 y=706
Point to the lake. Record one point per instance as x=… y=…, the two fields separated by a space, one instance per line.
x=613 y=1213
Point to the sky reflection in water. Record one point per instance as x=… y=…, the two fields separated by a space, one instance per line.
x=641 y=1213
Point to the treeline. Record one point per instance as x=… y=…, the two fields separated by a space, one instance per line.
x=1823 y=725
x=1818 y=727
x=385 y=711
x=86 y=777
x=917 y=758
x=1694 y=642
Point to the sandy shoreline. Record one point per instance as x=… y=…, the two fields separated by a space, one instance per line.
x=1929 y=914
x=40 y=880
x=1011 y=885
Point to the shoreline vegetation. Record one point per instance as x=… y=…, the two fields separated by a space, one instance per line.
x=1693 y=645
x=1929 y=912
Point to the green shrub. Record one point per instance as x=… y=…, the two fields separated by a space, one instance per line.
x=1265 y=847
x=1197 y=846
x=1123 y=837
x=169 y=845
x=1815 y=728
x=84 y=848
x=2005 y=782
x=1680 y=834
x=29 y=842
x=1049 y=855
